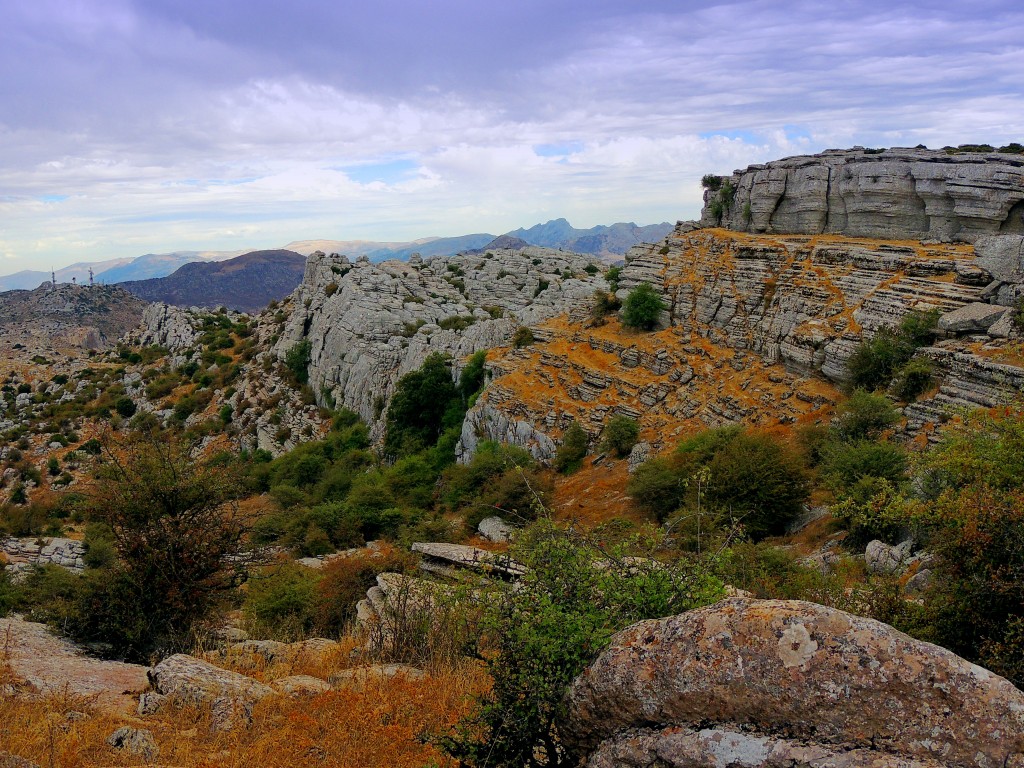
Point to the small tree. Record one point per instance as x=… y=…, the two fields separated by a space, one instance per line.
x=573 y=449
x=642 y=308
x=174 y=526
x=620 y=435
x=296 y=360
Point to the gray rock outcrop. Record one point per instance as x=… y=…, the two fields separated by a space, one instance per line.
x=184 y=678
x=370 y=324
x=895 y=193
x=761 y=679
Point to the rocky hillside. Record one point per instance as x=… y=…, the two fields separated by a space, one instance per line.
x=758 y=330
x=246 y=283
x=67 y=321
x=892 y=193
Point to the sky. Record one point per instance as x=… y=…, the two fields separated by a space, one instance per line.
x=138 y=126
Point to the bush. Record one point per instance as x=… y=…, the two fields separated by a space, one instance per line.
x=726 y=472
x=281 y=603
x=546 y=629
x=620 y=435
x=174 y=526
x=873 y=508
x=642 y=308
x=523 y=337
x=125 y=407
x=571 y=452
x=296 y=360
x=913 y=379
x=426 y=401
x=864 y=416
x=876 y=361
x=604 y=304
x=978 y=596
x=845 y=464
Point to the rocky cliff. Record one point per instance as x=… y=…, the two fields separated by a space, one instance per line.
x=758 y=329
x=369 y=324
x=893 y=193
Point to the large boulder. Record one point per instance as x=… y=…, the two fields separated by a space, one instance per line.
x=971 y=318
x=185 y=678
x=799 y=673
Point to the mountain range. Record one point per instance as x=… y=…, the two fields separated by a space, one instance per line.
x=245 y=283
x=606 y=242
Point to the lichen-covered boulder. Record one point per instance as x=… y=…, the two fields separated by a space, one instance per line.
x=185 y=678
x=803 y=672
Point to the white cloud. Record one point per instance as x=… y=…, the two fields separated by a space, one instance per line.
x=169 y=133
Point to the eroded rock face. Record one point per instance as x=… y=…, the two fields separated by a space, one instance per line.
x=898 y=193
x=369 y=324
x=796 y=672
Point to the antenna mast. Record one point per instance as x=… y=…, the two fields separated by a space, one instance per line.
x=90 y=277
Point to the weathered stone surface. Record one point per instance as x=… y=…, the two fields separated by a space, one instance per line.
x=298 y=686
x=169 y=326
x=135 y=741
x=683 y=747
x=380 y=321
x=67 y=553
x=229 y=713
x=802 y=672
x=971 y=318
x=1004 y=327
x=885 y=559
x=7 y=760
x=42 y=663
x=1002 y=257
x=495 y=529
x=897 y=193
x=473 y=558
x=188 y=679
x=358 y=678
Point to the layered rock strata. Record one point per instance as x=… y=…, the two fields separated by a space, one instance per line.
x=894 y=193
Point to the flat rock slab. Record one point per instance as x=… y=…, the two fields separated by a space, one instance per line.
x=473 y=558
x=188 y=679
x=45 y=664
x=971 y=317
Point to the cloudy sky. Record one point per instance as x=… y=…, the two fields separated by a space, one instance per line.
x=135 y=126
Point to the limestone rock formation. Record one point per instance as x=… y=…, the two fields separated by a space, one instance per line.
x=895 y=193
x=369 y=324
x=772 y=682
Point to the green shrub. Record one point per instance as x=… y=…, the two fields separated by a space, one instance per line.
x=873 y=508
x=876 y=361
x=546 y=629
x=281 y=603
x=845 y=464
x=425 y=402
x=125 y=407
x=570 y=454
x=619 y=435
x=296 y=360
x=523 y=337
x=864 y=416
x=612 y=276
x=711 y=181
x=604 y=304
x=642 y=308
x=913 y=379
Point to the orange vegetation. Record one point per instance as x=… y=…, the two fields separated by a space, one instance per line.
x=384 y=725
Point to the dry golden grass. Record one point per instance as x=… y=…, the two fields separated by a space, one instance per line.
x=382 y=725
